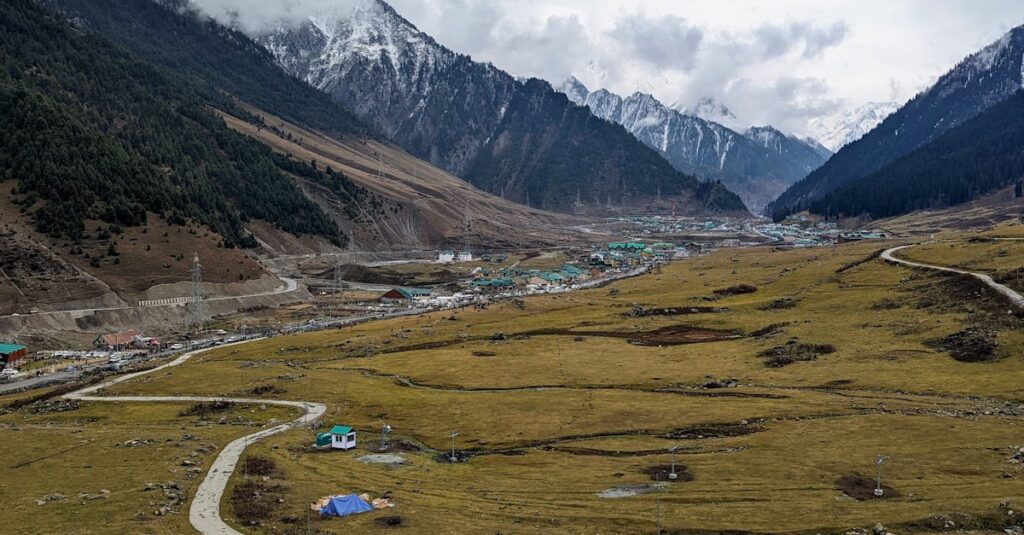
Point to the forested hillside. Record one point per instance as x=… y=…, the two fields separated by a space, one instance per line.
x=170 y=33
x=91 y=132
x=975 y=158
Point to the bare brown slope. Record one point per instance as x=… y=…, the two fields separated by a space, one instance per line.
x=980 y=213
x=421 y=205
x=39 y=272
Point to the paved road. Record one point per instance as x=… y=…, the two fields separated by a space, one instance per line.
x=204 y=513
x=33 y=382
x=1015 y=298
x=287 y=285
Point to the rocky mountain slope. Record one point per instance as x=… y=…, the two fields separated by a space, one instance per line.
x=517 y=139
x=977 y=83
x=758 y=164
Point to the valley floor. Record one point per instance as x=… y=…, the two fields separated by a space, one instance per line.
x=779 y=376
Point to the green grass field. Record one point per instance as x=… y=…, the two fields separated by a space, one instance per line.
x=563 y=405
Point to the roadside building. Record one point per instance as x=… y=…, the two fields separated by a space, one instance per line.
x=118 y=341
x=445 y=257
x=465 y=256
x=404 y=294
x=11 y=355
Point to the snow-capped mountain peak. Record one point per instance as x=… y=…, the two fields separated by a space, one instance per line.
x=840 y=129
x=575 y=90
x=710 y=109
x=757 y=164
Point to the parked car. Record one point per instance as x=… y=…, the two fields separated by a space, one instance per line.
x=9 y=372
x=176 y=347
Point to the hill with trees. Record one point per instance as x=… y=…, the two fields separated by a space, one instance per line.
x=96 y=134
x=982 y=155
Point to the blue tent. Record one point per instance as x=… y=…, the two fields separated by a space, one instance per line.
x=345 y=505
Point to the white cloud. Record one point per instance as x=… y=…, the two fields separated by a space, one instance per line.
x=254 y=15
x=667 y=42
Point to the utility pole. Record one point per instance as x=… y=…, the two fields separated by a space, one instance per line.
x=673 y=475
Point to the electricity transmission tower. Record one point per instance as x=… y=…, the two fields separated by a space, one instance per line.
x=338 y=284
x=196 y=312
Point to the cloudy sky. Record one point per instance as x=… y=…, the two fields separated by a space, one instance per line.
x=780 y=62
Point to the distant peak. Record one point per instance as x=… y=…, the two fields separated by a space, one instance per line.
x=574 y=89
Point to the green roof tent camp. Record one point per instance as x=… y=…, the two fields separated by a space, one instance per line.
x=340 y=437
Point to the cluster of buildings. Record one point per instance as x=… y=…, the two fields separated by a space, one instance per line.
x=806 y=233
x=684 y=225
x=506 y=278
x=125 y=340
x=448 y=257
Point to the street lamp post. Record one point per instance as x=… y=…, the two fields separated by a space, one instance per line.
x=878 y=475
x=384 y=430
x=453 y=435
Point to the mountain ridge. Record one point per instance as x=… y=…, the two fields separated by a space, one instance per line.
x=974 y=84
x=758 y=163
x=452 y=111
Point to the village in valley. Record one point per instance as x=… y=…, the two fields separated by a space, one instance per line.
x=280 y=267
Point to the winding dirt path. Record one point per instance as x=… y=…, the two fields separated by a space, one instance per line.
x=1015 y=298
x=204 y=513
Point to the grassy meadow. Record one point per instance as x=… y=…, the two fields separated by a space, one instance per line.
x=775 y=399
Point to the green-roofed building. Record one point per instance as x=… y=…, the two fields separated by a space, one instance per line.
x=340 y=437
x=626 y=246
x=404 y=294
x=551 y=276
x=571 y=272
x=495 y=283
x=11 y=355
